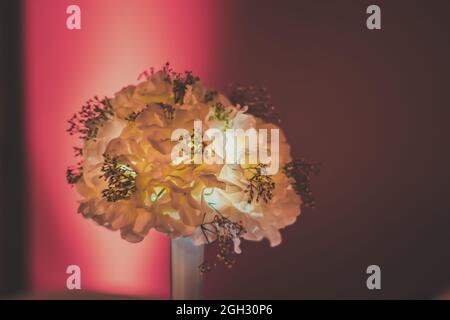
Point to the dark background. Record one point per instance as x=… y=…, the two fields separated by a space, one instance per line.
x=371 y=106
x=13 y=276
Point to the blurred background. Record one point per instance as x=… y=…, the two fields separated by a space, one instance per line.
x=371 y=106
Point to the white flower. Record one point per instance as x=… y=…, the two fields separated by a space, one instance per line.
x=129 y=183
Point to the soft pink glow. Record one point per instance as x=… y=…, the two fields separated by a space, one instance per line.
x=118 y=40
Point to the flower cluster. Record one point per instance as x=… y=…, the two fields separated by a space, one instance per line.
x=128 y=182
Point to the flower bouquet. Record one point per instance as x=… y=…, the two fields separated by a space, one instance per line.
x=201 y=167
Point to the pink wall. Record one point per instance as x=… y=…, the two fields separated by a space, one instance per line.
x=118 y=40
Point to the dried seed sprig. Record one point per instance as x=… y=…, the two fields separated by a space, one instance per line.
x=210 y=95
x=168 y=110
x=257 y=99
x=222 y=232
x=121 y=179
x=132 y=116
x=260 y=186
x=78 y=152
x=300 y=171
x=74 y=173
x=179 y=81
x=220 y=113
x=87 y=122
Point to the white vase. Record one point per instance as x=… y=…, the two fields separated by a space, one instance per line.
x=186 y=278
